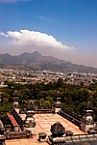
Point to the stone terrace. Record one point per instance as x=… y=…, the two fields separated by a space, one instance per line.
x=43 y=124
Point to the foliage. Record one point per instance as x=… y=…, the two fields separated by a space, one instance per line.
x=73 y=98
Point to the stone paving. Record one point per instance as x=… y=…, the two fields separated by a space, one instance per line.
x=43 y=124
x=25 y=142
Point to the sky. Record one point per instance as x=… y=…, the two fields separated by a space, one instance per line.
x=66 y=29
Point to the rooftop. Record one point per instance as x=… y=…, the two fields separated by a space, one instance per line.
x=12 y=119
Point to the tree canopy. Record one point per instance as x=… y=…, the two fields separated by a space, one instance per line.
x=74 y=98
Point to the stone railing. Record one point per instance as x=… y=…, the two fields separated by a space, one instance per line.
x=72 y=139
x=18 y=135
x=69 y=117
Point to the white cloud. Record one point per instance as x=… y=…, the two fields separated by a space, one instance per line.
x=3 y=34
x=17 y=42
x=32 y=39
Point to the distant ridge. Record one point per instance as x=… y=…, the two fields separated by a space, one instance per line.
x=36 y=61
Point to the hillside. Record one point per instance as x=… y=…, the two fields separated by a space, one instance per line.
x=38 y=62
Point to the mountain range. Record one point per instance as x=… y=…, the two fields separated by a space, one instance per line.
x=36 y=61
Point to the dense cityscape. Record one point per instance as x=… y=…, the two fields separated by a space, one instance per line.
x=32 y=77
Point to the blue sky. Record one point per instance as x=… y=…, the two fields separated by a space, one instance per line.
x=70 y=26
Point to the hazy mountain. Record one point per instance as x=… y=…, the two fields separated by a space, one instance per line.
x=38 y=62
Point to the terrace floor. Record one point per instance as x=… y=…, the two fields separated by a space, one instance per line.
x=44 y=122
x=25 y=142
